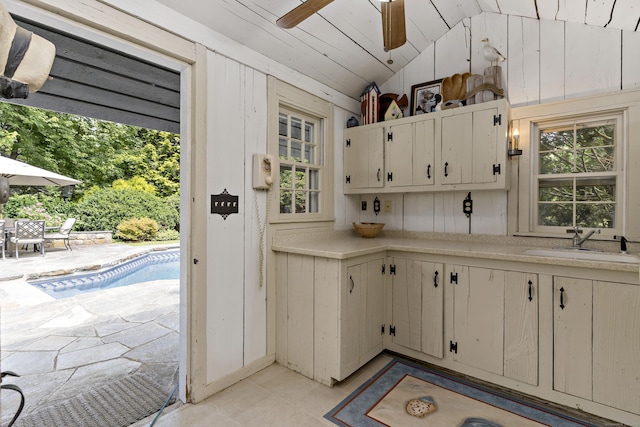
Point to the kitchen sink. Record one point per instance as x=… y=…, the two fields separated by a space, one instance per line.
x=584 y=254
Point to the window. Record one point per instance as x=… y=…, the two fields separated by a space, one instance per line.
x=300 y=155
x=300 y=129
x=578 y=174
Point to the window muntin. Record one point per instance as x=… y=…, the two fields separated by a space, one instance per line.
x=578 y=174
x=300 y=154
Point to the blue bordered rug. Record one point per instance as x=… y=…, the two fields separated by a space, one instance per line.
x=405 y=394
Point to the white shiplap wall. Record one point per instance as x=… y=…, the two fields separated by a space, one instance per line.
x=547 y=60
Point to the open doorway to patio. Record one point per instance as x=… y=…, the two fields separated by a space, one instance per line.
x=65 y=347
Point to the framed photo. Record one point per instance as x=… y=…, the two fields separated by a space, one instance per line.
x=425 y=97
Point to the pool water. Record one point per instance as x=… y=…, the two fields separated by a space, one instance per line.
x=152 y=266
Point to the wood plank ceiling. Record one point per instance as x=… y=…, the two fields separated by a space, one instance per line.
x=341 y=46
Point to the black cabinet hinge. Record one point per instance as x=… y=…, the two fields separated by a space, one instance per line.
x=348 y=142
x=389 y=176
x=382 y=330
x=497 y=119
x=454 y=278
x=384 y=268
x=392 y=269
x=453 y=347
x=389 y=136
x=496 y=169
x=392 y=330
x=348 y=179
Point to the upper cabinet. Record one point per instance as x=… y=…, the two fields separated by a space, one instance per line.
x=458 y=149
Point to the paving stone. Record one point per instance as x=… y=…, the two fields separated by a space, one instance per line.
x=81 y=343
x=164 y=349
x=30 y=362
x=138 y=335
x=52 y=342
x=91 y=355
x=73 y=317
x=114 y=325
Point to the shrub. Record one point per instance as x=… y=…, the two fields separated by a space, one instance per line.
x=137 y=229
x=38 y=212
x=104 y=209
x=165 y=235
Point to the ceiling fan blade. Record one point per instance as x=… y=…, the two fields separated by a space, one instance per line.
x=393 y=24
x=300 y=13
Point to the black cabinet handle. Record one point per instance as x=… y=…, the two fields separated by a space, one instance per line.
x=353 y=285
x=378 y=175
x=446 y=165
x=530 y=290
x=435 y=279
x=562 y=298
x=428 y=171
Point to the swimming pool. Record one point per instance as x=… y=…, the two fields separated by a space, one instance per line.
x=151 y=266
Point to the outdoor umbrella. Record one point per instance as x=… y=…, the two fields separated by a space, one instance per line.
x=19 y=173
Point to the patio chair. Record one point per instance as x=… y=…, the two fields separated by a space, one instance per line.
x=28 y=233
x=63 y=233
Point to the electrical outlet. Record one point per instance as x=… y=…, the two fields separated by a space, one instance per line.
x=388 y=206
x=364 y=205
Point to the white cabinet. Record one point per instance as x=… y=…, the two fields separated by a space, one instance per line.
x=329 y=314
x=363 y=157
x=595 y=341
x=457 y=149
x=417 y=305
x=495 y=321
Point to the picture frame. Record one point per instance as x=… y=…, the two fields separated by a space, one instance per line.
x=425 y=97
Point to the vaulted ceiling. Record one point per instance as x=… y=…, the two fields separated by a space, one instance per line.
x=342 y=47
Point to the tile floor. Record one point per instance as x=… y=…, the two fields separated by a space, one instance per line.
x=274 y=396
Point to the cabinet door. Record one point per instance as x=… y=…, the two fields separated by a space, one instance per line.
x=418 y=305
x=521 y=327
x=361 y=315
x=457 y=140
x=485 y=153
x=363 y=158
x=399 y=152
x=424 y=142
x=572 y=332
x=616 y=345
x=478 y=314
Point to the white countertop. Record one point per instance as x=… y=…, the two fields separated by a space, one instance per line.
x=345 y=245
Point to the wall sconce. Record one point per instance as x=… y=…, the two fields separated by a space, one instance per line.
x=514 y=140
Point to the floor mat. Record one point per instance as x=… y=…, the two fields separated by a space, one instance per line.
x=404 y=394
x=116 y=404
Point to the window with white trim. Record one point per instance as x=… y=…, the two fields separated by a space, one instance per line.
x=578 y=174
x=300 y=154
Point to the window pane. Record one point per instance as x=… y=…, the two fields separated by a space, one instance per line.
x=314 y=180
x=301 y=179
x=552 y=139
x=555 y=214
x=595 y=136
x=296 y=151
x=596 y=190
x=555 y=191
x=285 y=177
x=282 y=148
x=556 y=162
x=309 y=154
x=301 y=202
x=599 y=159
x=596 y=215
x=283 y=125
x=296 y=128
x=314 y=204
x=308 y=132
x=285 y=201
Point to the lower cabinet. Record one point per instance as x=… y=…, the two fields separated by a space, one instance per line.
x=595 y=339
x=495 y=321
x=329 y=314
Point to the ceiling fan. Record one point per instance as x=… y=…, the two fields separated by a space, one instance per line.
x=393 y=21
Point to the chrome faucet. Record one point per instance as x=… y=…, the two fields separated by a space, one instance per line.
x=577 y=240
